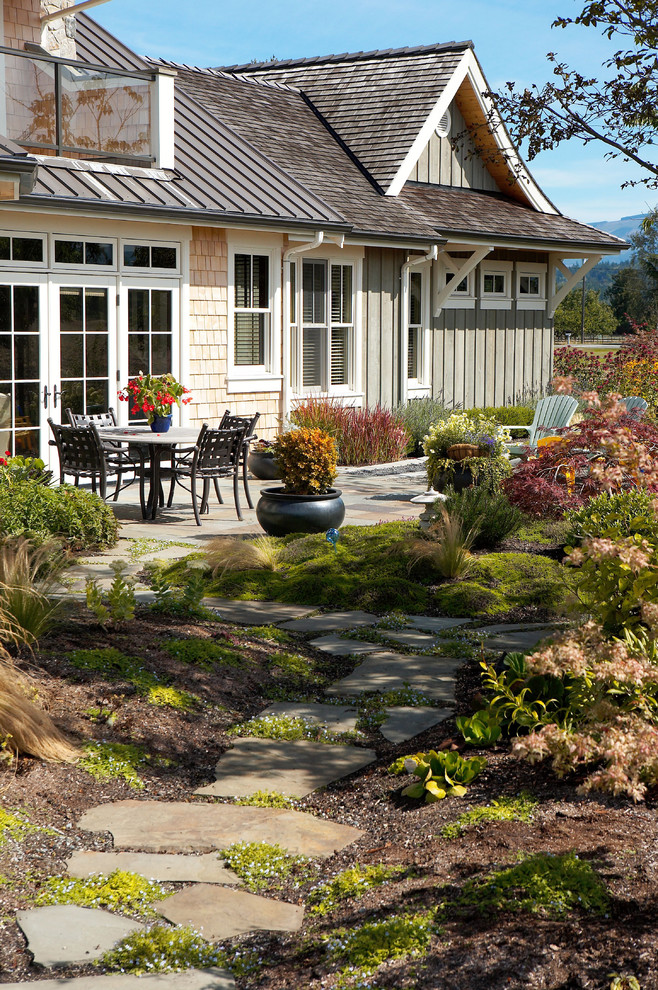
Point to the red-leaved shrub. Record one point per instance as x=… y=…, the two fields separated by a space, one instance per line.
x=363 y=436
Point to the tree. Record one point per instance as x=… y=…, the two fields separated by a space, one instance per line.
x=620 y=110
x=599 y=318
x=633 y=297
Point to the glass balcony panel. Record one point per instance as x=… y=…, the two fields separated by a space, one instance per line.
x=105 y=113
x=30 y=104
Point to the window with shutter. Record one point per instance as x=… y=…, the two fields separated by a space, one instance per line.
x=252 y=308
x=328 y=330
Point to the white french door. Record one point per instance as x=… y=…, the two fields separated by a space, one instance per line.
x=23 y=308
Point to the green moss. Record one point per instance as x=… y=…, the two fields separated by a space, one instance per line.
x=262 y=866
x=368 y=571
x=204 y=653
x=115 y=665
x=291 y=728
x=269 y=633
x=267 y=799
x=297 y=668
x=114 y=761
x=515 y=809
x=127 y=893
x=17 y=826
x=350 y=884
x=546 y=531
x=169 y=697
x=543 y=884
x=504 y=581
x=367 y=946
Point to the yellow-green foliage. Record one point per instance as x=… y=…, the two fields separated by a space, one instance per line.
x=296 y=667
x=126 y=893
x=543 y=884
x=162 y=950
x=515 y=809
x=115 y=665
x=351 y=883
x=204 y=653
x=291 y=728
x=114 y=761
x=267 y=799
x=230 y=554
x=17 y=826
x=307 y=458
x=169 y=697
x=262 y=866
x=366 y=947
x=269 y=633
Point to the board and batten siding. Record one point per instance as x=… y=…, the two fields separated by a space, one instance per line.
x=453 y=160
x=480 y=357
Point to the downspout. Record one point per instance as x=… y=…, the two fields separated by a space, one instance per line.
x=288 y=256
x=409 y=263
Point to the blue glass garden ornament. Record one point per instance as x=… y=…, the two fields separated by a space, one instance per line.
x=333 y=537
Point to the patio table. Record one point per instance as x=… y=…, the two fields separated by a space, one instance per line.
x=157 y=443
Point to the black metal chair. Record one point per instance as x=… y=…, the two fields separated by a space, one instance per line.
x=120 y=459
x=215 y=455
x=81 y=455
x=230 y=422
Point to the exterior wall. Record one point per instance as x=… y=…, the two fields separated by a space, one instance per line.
x=453 y=160
x=381 y=325
x=208 y=340
x=484 y=357
x=21 y=22
x=58 y=37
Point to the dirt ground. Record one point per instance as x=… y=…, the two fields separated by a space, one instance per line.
x=507 y=950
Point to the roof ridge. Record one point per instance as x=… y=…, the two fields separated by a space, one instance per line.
x=361 y=56
x=221 y=74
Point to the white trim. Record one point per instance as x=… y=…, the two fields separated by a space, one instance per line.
x=469 y=67
x=271 y=367
x=456 y=300
x=26 y=266
x=445 y=292
x=496 y=300
x=82 y=266
x=148 y=242
x=527 y=301
x=235 y=384
x=162 y=118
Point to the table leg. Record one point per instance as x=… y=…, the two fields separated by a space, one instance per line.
x=156 y=450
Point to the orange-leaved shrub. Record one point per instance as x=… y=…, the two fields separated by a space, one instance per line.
x=307 y=459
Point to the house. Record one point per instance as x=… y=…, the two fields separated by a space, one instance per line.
x=354 y=225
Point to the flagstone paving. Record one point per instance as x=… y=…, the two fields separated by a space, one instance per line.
x=339 y=718
x=519 y=641
x=405 y=723
x=256 y=613
x=330 y=621
x=155 y=866
x=292 y=768
x=415 y=638
x=62 y=934
x=191 y=979
x=435 y=623
x=338 y=646
x=219 y=912
x=180 y=826
x=434 y=676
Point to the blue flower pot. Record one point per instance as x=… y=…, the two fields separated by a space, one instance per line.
x=161 y=424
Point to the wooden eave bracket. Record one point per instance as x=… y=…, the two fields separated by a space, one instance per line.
x=459 y=271
x=572 y=278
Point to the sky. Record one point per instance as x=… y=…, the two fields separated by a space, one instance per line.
x=511 y=39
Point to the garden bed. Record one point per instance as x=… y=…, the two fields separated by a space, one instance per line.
x=511 y=949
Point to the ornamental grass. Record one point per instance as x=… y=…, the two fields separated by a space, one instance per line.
x=363 y=436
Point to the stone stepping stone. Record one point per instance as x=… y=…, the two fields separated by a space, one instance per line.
x=412 y=637
x=329 y=621
x=191 y=979
x=219 y=912
x=179 y=826
x=518 y=641
x=155 y=866
x=338 y=717
x=405 y=723
x=339 y=647
x=292 y=768
x=62 y=934
x=508 y=627
x=435 y=624
x=256 y=613
x=434 y=676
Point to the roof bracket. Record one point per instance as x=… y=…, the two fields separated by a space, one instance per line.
x=459 y=273
x=572 y=278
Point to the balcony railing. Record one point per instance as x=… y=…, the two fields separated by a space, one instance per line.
x=75 y=109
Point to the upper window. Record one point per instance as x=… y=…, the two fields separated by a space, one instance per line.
x=162 y=256
x=496 y=285
x=21 y=249
x=462 y=295
x=83 y=252
x=252 y=309
x=530 y=286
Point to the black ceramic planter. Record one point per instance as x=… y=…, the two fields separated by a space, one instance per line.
x=280 y=513
x=460 y=479
x=262 y=465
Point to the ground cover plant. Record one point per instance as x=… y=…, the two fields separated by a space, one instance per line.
x=384 y=912
x=78 y=518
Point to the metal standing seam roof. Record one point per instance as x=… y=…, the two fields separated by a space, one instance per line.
x=453 y=211
x=376 y=102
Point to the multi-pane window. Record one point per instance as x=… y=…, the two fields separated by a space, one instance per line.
x=19 y=369
x=251 y=309
x=84 y=348
x=150 y=256
x=23 y=249
x=328 y=317
x=461 y=287
x=150 y=331
x=414 y=347
x=529 y=285
x=79 y=252
x=494 y=283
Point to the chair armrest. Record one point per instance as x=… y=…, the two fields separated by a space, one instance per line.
x=526 y=429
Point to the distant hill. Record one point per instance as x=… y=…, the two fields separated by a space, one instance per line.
x=621 y=228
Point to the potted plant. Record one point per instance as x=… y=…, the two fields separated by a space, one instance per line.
x=155 y=396
x=466 y=449
x=306 y=503
x=261 y=461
